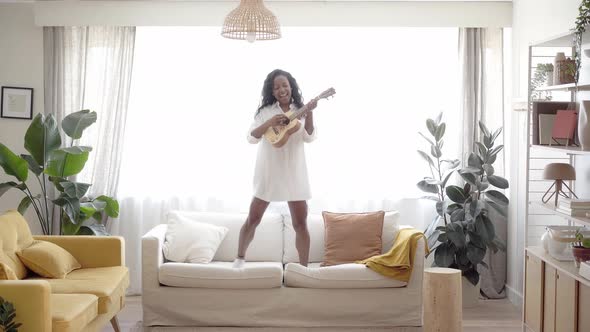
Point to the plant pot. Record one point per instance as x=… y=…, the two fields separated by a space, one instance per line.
x=581 y=254
x=470 y=293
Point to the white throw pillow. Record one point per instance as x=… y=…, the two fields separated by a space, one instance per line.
x=190 y=241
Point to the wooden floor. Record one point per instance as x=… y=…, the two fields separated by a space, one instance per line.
x=488 y=316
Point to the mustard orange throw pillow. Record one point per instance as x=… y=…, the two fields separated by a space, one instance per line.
x=48 y=260
x=6 y=273
x=350 y=237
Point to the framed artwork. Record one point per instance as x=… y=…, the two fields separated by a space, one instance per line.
x=564 y=126
x=16 y=103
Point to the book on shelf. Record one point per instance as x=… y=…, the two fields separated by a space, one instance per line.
x=573 y=212
x=576 y=202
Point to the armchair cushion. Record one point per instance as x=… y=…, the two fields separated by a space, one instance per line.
x=48 y=260
x=72 y=312
x=6 y=273
x=15 y=235
x=107 y=283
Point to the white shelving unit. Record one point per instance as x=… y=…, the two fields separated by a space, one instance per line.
x=555 y=294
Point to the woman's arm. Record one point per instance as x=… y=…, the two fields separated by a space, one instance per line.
x=277 y=120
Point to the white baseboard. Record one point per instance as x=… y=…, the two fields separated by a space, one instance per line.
x=514 y=296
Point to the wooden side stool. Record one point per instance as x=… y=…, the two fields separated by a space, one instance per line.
x=443 y=307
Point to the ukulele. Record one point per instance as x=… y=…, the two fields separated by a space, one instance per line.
x=279 y=135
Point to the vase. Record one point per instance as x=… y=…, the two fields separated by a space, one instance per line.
x=470 y=293
x=559 y=57
x=550 y=76
x=584 y=125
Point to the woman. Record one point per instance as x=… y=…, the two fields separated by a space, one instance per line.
x=281 y=173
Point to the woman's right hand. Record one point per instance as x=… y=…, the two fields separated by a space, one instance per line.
x=278 y=120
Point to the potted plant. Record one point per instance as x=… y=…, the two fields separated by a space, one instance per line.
x=543 y=77
x=53 y=164
x=7 y=316
x=581 y=248
x=468 y=232
x=441 y=171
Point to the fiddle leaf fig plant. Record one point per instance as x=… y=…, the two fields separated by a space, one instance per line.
x=441 y=171
x=53 y=165
x=465 y=240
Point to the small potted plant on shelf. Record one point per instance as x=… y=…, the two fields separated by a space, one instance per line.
x=581 y=248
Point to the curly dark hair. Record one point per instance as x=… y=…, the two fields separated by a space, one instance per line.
x=269 y=99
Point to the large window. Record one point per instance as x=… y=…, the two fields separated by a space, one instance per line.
x=194 y=95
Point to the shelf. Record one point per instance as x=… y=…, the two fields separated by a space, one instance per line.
x=576 y=150
x=564 y=87
x=562 y=40
x=566 y=267
x=550 y=208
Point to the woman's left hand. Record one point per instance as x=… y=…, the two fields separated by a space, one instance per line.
x=312 y=105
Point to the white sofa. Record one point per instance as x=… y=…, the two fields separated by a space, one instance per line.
x=271 y=290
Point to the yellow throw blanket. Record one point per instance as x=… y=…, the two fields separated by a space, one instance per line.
x=399 y=261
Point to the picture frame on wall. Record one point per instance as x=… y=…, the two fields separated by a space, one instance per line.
x=16 y=103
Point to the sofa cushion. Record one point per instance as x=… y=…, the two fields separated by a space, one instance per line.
x=222 y=275
x=15 y=235
x=351 y=236
x=190 y=241
x=72 y=312
x=267 y=245
x=315 y=224
x=107 y=283
x=350 y=275
x=48 y=259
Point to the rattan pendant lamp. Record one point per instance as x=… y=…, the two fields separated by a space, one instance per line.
x=251 y=21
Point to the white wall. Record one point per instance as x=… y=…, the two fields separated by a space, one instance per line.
x=21 y=65
x=533 y=20
x=289 y=13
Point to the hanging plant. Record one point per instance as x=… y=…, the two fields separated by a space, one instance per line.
x=582 y=21
x=7 y=315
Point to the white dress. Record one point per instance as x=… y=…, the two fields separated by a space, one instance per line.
x=280 y=173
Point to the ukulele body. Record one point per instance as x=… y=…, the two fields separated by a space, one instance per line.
x=279 y=135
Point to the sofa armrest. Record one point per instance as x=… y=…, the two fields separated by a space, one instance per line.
x=92 y=251
x=418 y=264
x=152 y=256
x=32 y=302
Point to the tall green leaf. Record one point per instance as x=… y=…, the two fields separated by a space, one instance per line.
x=429 y=188
x=42 y=137
x=33 y=165
x=112 y=208
x=75 y=123
x=431 y=127
x=66 y=162
x=497 y=197
x=498 y=181
x=25 y=203
x=13 y=164
x=75 y=189
x=444 y=255
x=4 y=187
x=440 y=132
x=456 y=194
x=426 y=157
x=94 y=229
x=71 y=206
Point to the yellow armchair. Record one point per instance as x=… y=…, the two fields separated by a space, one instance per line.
x=85 y=300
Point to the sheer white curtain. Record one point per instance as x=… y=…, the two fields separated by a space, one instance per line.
x=90 y=68
x=194 y=95
x=481 y=55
